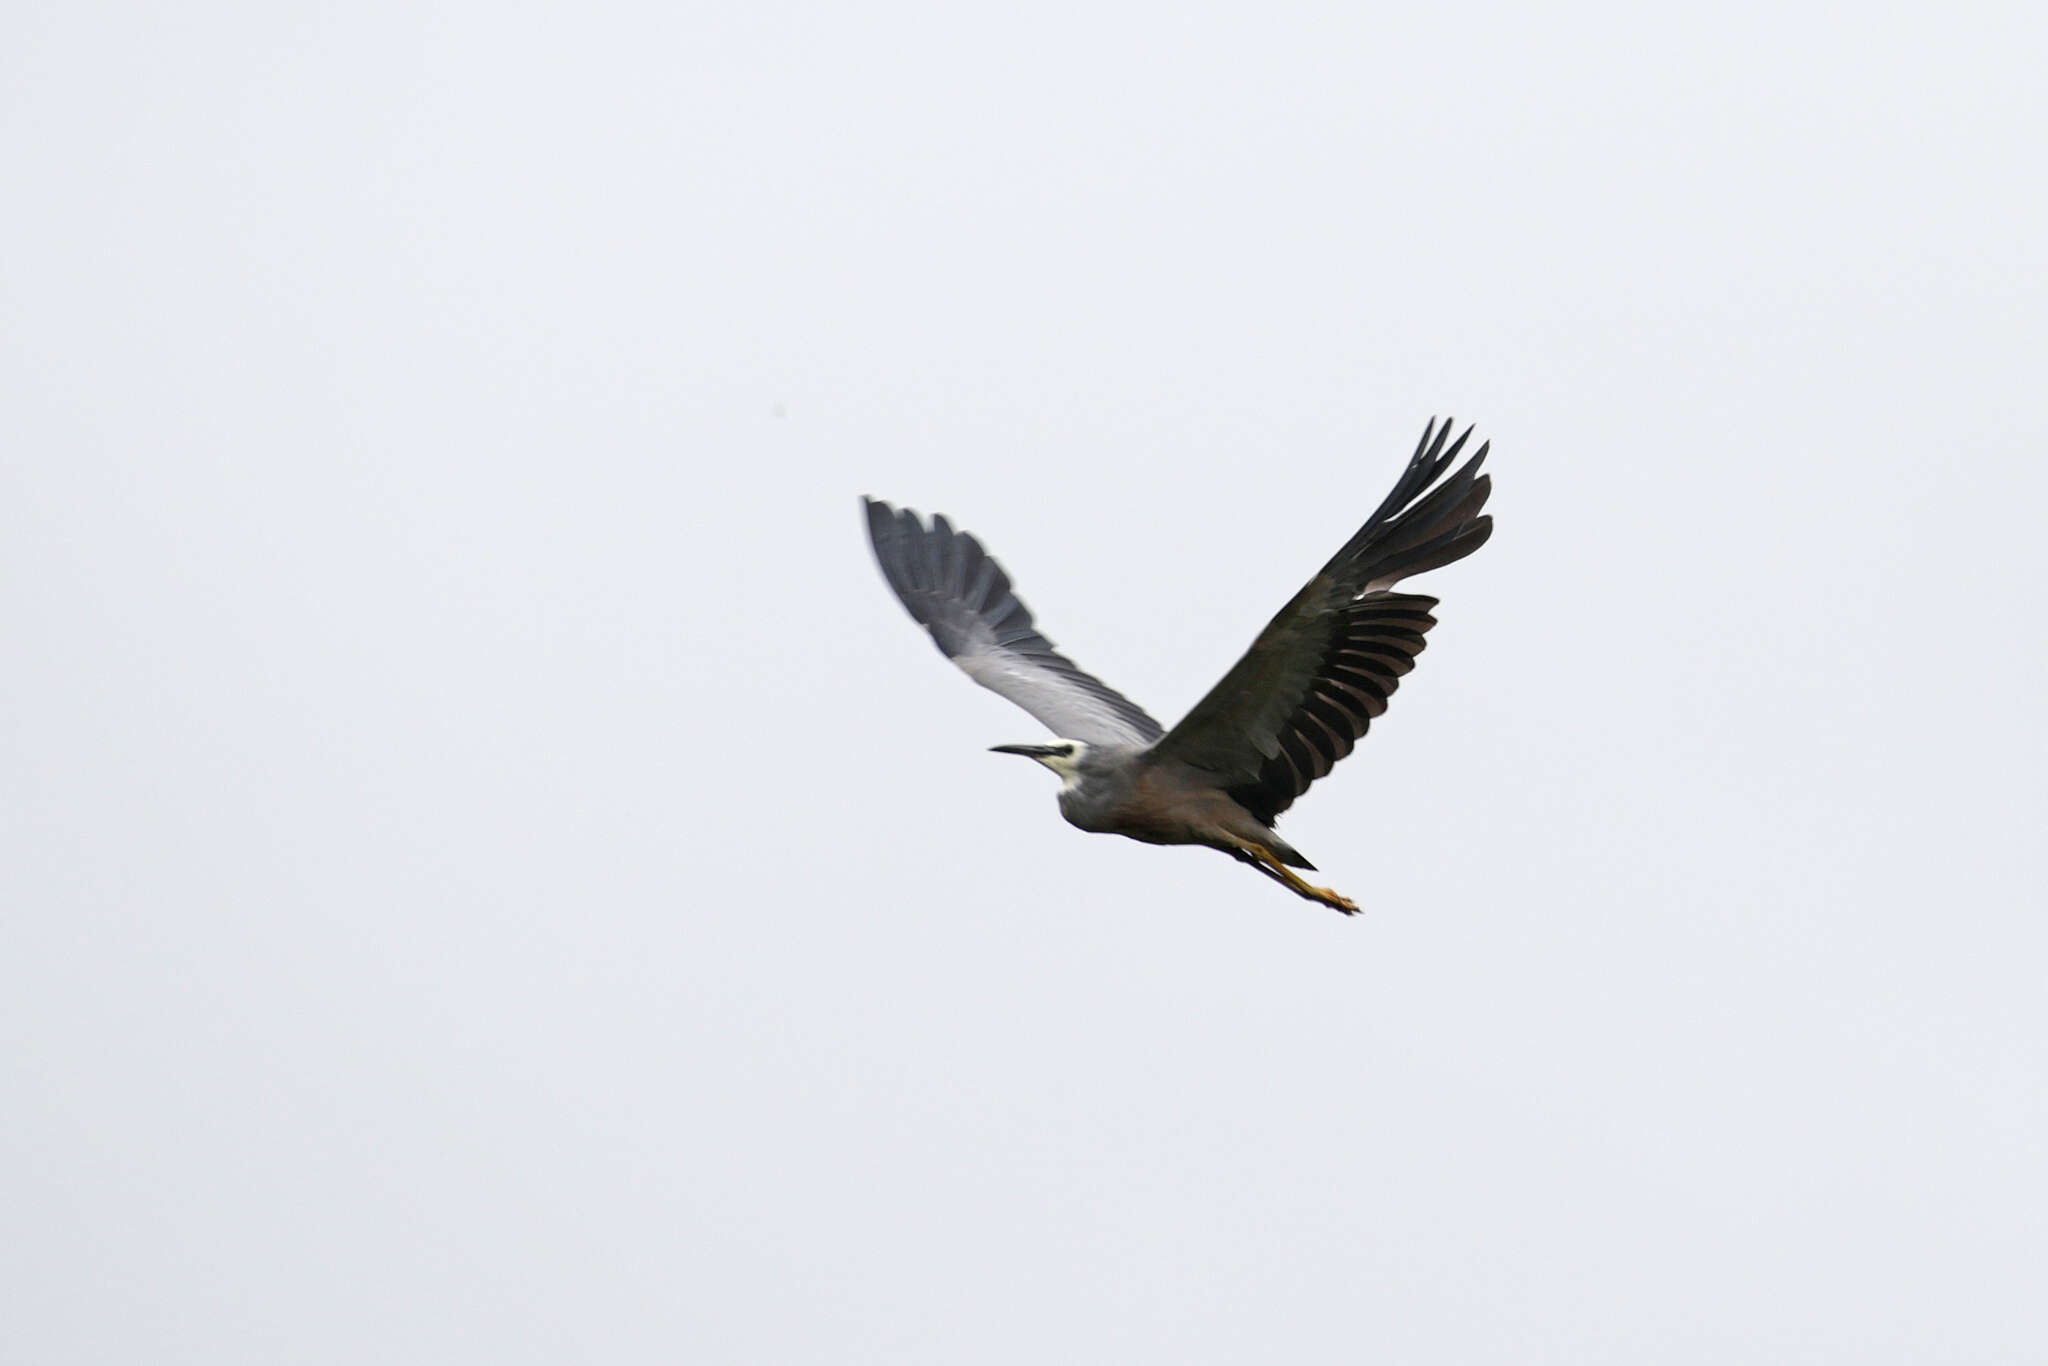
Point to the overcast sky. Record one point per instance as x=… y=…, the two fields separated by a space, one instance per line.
x=490 y=873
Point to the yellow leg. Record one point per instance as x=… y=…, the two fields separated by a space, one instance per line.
x=1262 y=859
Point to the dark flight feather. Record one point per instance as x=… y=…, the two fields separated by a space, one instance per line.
x=1324 y=667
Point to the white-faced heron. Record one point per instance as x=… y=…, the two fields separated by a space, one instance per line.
x=1285 y=713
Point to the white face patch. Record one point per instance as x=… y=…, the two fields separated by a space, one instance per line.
x=1065 y=761
x=1068 y=766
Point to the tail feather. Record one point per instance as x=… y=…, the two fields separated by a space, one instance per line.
x=1288 y=854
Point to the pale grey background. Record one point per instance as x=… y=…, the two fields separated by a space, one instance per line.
x=490 y=875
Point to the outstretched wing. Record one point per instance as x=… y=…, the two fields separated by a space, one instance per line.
x=961 y=595
x=1305 y=692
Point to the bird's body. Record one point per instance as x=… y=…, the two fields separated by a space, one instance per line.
x=1294 y=705
x=1130 y=791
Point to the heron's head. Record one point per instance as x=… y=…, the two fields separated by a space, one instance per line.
x=1062 y=757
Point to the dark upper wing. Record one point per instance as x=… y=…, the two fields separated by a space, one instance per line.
x=961 y=595
x=1323 y=668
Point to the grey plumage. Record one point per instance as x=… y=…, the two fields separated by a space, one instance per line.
x=1296 y=703
x=957 y=591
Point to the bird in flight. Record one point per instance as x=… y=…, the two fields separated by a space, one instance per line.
x=1294 y=705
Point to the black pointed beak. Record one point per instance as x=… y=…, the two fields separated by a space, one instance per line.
x=1028 y=751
